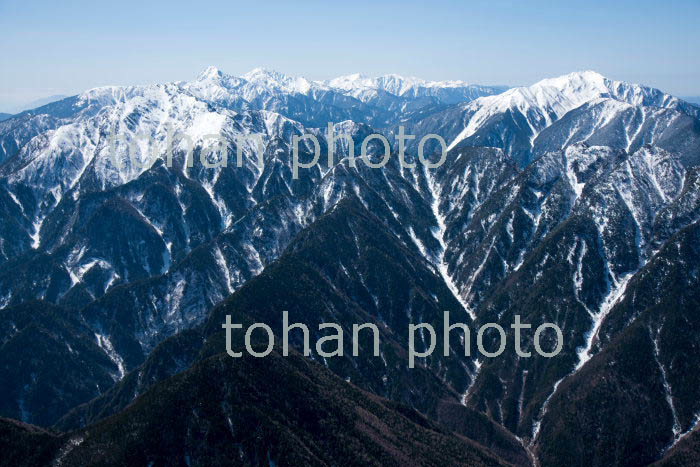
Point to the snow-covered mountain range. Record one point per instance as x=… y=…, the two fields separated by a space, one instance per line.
x=573 y=201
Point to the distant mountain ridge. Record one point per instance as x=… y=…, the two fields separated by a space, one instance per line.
x=692 y=99
x=35 y=103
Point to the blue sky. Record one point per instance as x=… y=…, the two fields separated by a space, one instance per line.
x=65 y=47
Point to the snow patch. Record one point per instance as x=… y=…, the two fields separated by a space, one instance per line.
x=106 y=345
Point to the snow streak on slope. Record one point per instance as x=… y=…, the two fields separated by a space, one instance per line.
x=106 y=345
x=440 y=236
x=678 y=438
x=585 y=353
x=477 y=369
x=676 y=428
x=616 y=294
x=538 y=422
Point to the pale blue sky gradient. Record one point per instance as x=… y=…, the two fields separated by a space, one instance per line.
x=66 y=47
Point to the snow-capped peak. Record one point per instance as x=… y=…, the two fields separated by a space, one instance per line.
x=559 y=94
x=260 y=73
x=211 y=72
x=277 y=81
x=353 y=81
x=584 y=86
x=578 y=80
x=550 y=99
x=392 y=83
x=260 y=77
